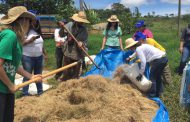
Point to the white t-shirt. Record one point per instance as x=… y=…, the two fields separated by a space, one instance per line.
x=57 y=37
x=34 y=49
x=148 y=53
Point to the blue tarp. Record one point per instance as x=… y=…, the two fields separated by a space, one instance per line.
x=108 y=60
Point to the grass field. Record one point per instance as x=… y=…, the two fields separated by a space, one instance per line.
x=166 y=34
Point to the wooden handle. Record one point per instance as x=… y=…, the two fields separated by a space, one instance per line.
x=63 y=25
x=46 y=75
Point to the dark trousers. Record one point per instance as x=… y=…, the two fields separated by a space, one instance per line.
x=157 y=67
x=73 y=72
x=59 y=60
x=7 y=102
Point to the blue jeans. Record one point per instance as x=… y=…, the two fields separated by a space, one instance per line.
x=157 y=67
x=184 y=58
x=35 y=65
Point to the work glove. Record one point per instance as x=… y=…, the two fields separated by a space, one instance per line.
x=139 y=77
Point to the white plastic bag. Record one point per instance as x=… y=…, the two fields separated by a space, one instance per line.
x=132 y=71
x=184 y=91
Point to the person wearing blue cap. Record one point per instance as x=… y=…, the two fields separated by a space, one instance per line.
x=166 y=75
x=157 y=59
x=141 y=27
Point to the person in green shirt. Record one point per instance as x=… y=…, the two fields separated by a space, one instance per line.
x=13 y=27
x=112 y=34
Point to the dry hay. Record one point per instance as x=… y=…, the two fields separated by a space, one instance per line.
x=92 y=98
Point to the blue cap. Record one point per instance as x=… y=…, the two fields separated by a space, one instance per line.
x=33 y=11
x=139 y=24
x=139 y=35
x=64 y=21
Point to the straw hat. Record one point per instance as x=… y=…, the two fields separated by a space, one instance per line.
x=16 y=12
x=113 y=18
x=130 y=42
x=80 y=17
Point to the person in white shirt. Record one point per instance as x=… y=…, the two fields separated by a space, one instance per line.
x=58 y=51
x=33 y=55
x=156 y=58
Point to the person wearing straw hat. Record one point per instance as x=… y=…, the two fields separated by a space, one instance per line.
x=71 y=50
x=166 y=75
x=112 y=34
x=156 y=58
x=13 y=28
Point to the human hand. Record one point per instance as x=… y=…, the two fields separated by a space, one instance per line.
x=80 y=44
x=128 y=59
x=13 y=88
x=101 y=49
x=38 y=76
x=34 y=38
x=139 y=77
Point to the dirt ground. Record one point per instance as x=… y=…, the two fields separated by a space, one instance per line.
x=89 y=99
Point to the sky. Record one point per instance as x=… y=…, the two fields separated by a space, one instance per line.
x=160 y=7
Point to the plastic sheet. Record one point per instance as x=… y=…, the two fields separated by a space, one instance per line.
x=108 y=60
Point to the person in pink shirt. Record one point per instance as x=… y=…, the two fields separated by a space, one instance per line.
x=141 y=27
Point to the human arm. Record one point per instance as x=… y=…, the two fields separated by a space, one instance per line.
x=120 y=42
x=44 y=53
x=32 y=39
x=103 y=42
x=5 y=79
x=24 y=73
x=182 y=41
x=131 y=56
x=181 y=46
x=142 y=58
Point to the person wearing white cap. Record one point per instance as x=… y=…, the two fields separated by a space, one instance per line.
x=112 y=34
x=13 y=28
x=72 y=50
x=156 y=58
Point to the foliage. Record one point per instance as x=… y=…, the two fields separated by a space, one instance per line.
x=64 y=8
x=92 y=15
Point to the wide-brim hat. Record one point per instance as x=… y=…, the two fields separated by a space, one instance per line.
x=80 y=17
x=113 y=18
x=130 y=42
x=16 y=12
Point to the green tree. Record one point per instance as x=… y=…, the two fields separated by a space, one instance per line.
x=65 y=9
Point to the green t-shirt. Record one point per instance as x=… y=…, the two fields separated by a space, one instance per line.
x=11 y=52
x=113 y=37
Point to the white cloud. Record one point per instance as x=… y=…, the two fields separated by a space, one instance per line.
x=183 y=2
x=108 y=6
x=132 y=3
